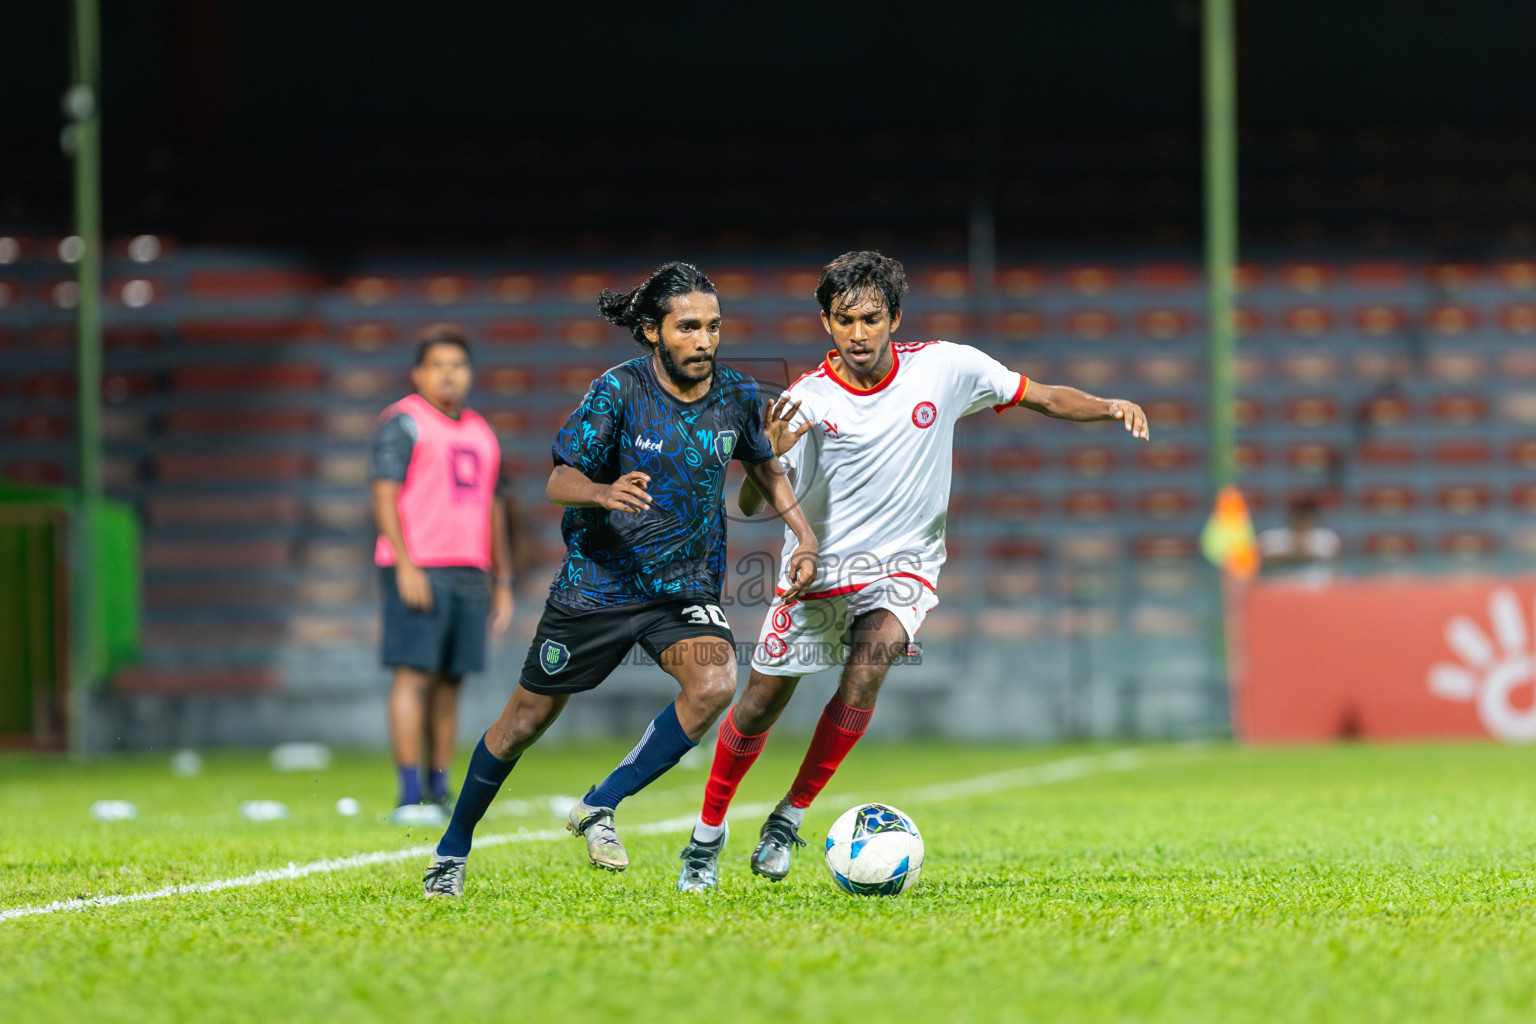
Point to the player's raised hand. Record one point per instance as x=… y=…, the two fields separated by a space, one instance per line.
x=803 y=567
x=1132 y=415
x=778 y=424
x=627 y=493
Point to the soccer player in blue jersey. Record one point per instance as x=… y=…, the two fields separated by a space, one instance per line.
x=640 y=467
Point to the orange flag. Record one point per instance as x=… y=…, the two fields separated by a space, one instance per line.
x=1228 y=540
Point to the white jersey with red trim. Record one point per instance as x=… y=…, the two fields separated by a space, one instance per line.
x=872 y=475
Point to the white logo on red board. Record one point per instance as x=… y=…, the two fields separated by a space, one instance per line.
x=1490 y=669
x=923 y=415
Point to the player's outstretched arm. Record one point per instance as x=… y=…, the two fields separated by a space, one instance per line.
x=1064 y=403
x=570 y=487
x=768 y=478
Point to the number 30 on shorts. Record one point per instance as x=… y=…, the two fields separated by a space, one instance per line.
x=704 y=614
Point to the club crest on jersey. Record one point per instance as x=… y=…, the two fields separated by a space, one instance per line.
x=725 y=444
x=553 y=657
x=923 y=415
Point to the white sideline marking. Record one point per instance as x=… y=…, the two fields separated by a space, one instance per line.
x=1045 y=774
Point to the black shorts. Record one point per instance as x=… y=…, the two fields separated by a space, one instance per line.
x=449 y=639
x=574 y=650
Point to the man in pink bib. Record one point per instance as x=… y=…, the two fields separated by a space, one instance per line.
x=442 y=537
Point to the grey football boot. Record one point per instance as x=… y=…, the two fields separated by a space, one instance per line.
x=445 y=877
x=595 y=825
x=701 y=864
x=776 y=847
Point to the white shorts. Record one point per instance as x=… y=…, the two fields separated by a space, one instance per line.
x=811 y=634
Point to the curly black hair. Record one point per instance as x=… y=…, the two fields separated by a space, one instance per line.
x=649 y=304
x=852 y=274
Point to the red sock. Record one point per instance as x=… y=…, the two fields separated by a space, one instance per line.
x=734 y=754
x=839 y=729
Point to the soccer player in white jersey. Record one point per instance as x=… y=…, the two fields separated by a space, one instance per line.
x=867 y=439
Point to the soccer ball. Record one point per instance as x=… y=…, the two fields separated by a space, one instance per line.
x=874 y=850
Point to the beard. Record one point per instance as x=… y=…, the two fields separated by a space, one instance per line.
x=681 y=374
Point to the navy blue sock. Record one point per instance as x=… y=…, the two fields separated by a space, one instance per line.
x=485 y=776
x=662 y=746
x=410 y=783
x=437 y=784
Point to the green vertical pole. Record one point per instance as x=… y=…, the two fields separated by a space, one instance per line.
x=82 y=105
x=1220 y=226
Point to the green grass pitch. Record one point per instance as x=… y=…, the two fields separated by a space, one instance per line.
x=1214 y=883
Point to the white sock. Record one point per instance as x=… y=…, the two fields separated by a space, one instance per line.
x=796 y=815
x=708 y=833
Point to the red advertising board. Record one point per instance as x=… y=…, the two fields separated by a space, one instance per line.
x=1385 y=659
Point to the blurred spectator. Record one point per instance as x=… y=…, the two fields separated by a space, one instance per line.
x=442 y=533
x=1302 y=543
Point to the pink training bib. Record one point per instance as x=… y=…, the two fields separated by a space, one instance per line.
x=445 y=502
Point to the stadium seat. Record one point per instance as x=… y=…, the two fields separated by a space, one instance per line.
x=1390 y=544
x=1379 y=367
x=447 y=289
x=204 y=422
x=215 y=555
x=131 y=338
x=944 y=282
x=1522 y=498
x=1522 y=453
x=1166 y=502
x=507 y=422
x=1378 y=274
x=1090 y=324
x=1311 y=456
x=1022 y=460
x=1385 y=410
x=224 y=511
x=514 y=289
x=1247 y=322
x=1310 y=367
x=1459 y=409
x=1163 y=547
x=1092 y=279
x=48 y=384
x=1311 y=410
x=264 y=377
x=1164 y=456
x=1519 y=275
x=1519 y=407
x=248 y=284
x=1450 y=319
x=1016 y=549
x=374 y=289
x=949 y=326
x=183 y=467
x=174 y=681
x=1094 y=549
x=1173 y=277
x=1021 y=282
x=39 y=426
x=1463 y=499
x=799 y=285
x=47 y=472
x=1306 y=277
x=1248 y=456
x=1167 y=371
x=1455 y=276
x=1165 y=323
x=1457 y=367
x=1089 y=504
x=1380 y=320
x=368 y=335
x=1249 y=368
x=117 y=387
x=800 y=329
x=379 y=384
x=1464 y=452
x=253 y=330
x=1519 y=318
x=1390 y=454
x=204 y=594
x=1518 y=363
x=735 y=284
x=1468 y=542
x=520 y=331
x=1308 y=321
x=1387 y=499
x=1014 y=505
x=1024 y=325
x=1091 y=460
x=1169 y=412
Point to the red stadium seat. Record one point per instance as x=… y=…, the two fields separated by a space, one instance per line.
x=505 y=380
x=374 y=289
x=520 y=331
x=447 y=289
x=514 y=289
x=1169 y=412
x=1021 y=326
x=1308 y=321
x=1450 y=319
x=1014 y=460
x=1387 y=499
x=1091 y=324
x=1311 y=456
x=1310 y=367
x=1164 y=456
x=507 y=421
x=231 y=466
x=1522 y=498
x=799 y=285
x=1390 y=544
x=244 y=510
x=1164 y=547
x=1386 y=410
x=1382 y=367
x=1520 y=407
x=1467 y=452
x=1091 y=460
x=1249 y=368
x=1387 y=453
x=1517 y=274
x=1459 y=409
x=1248 y=456
x=945 y=325
x=1382 y=274
x=1518 y=319
x=1520 y=363
x=1458 y=367
x=576 y=379
x=1179 y=277
x=1021 y=282
x=586 y=332
x=944 y=282
x=583 y=287
x=1167 y=371
x=217 y=554
x=1312 y=411
x=1089 y=504
x=1091 y=280
x=48 y=384
x=266 y=377
x=1468 y=542
x=1166 y=502
x=1094 y=550
x=135 y=338
x=1523 y=453
x=1013 y=505
x=1165 y=323
x=379 y=384
x=121 y=387
x=368 y=335
x=267 y=283
x=1090 y=372
x=251 y=330
x=1247 y=322
x=1016 y=549
x=1455 y=276
x=734 y=284
x=47 y=472
x=1306 y=277
x=180 y=681
x=1463 y=499
x=1380 y=320
x=40 y=426
x=198 y=422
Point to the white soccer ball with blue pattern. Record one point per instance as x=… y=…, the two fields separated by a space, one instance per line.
x=874 y=850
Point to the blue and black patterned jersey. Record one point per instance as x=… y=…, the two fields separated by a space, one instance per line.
x=626 y=423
